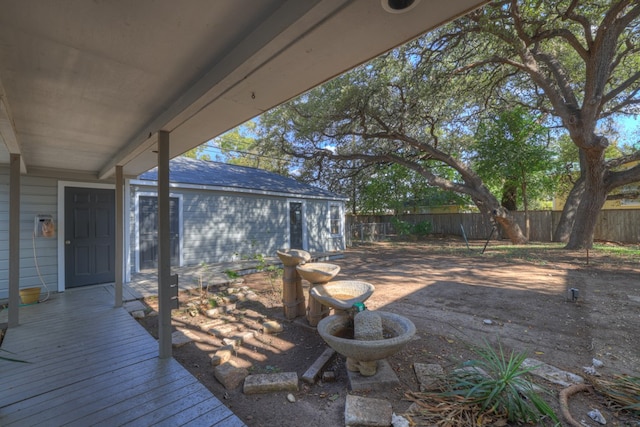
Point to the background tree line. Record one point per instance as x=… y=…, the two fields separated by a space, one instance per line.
x=512 y=103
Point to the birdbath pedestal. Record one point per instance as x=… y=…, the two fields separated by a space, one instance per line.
x=292 y=295
x=317 y=273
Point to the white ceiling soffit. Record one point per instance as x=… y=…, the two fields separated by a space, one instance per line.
x=86 y=85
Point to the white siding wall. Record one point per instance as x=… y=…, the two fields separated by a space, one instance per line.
x=223 y=227
x=38 y=196
x=318 y=224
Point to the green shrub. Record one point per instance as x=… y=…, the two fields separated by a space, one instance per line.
x=422 y=228
x=403 y=228
x=231 y=274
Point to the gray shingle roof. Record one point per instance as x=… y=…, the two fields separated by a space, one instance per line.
x=201 y=172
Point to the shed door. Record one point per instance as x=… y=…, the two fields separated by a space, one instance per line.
x=148 y=226
x=295 y=225
x=89 y=236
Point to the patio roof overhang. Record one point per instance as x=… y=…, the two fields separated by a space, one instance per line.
x=86 y=86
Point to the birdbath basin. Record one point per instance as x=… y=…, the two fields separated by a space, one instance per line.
x=342 y=294
x=293 y=257
x=397 y=331
x=318 y=272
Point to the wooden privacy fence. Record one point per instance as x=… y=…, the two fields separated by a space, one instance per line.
x=616 y=225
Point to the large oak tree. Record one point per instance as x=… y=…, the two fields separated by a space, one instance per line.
x=389 y=111
x=577 y=63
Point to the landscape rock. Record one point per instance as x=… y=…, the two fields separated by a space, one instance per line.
x=314 y=370
x=251 y=296
x=272 y=327
x=213 y=312
x=365 y=411
x=222 y=355
x=224 y=330
x=268 y=383
x=551 y=373
x=234 y=342
x=428 y=375
x=399 y=421
x=179 y=338
x=596 y=416
x=230 y=375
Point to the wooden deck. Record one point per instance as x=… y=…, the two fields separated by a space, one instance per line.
x=93 y=364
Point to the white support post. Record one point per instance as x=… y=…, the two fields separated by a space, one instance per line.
x=164 y=259
x=119 y=235
x=14 y=241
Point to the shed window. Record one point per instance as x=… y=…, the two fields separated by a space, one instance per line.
x=335 y=221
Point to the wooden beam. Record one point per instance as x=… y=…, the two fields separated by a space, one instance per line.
x=119 y=261
x=164 y=257
x=7 y=130
x=14 y=240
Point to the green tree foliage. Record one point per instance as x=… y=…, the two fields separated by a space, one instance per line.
x=197 y=153
x=239 y=147
x=575 y=62
x=512 y=153
x=397 y=189
x=390 y=111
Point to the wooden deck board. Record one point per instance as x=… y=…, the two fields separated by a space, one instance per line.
x=93 y=364
x=204 y=408
x=60 y=396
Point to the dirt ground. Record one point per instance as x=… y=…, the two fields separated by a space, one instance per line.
x=450 y=293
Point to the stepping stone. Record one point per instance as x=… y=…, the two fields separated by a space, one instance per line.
x=429 y=375
x=272 y=327
x=179 y=338
x=365 y=411
x=230 y=375
x=268 y=383
x=222 y=355
x=551 y=373
x=224 y=330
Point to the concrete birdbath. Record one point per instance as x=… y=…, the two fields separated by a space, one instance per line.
x=293 y=301
x=293 y=257
x=318 y=272
x=362 y=355
x=342 y=294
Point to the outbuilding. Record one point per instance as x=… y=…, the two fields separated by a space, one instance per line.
x=222 y=213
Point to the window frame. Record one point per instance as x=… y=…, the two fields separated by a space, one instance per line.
x=339 y=219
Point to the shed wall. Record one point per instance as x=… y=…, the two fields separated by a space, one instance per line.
x=224 y=227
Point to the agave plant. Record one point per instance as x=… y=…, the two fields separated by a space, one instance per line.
x=498 y=383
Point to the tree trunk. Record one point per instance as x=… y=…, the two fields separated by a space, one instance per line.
x=510 y=226
x=502 y=217
x=525 y=202
x=509 y=196
x=488 y=204
x=595 y=194
x=568 y=216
